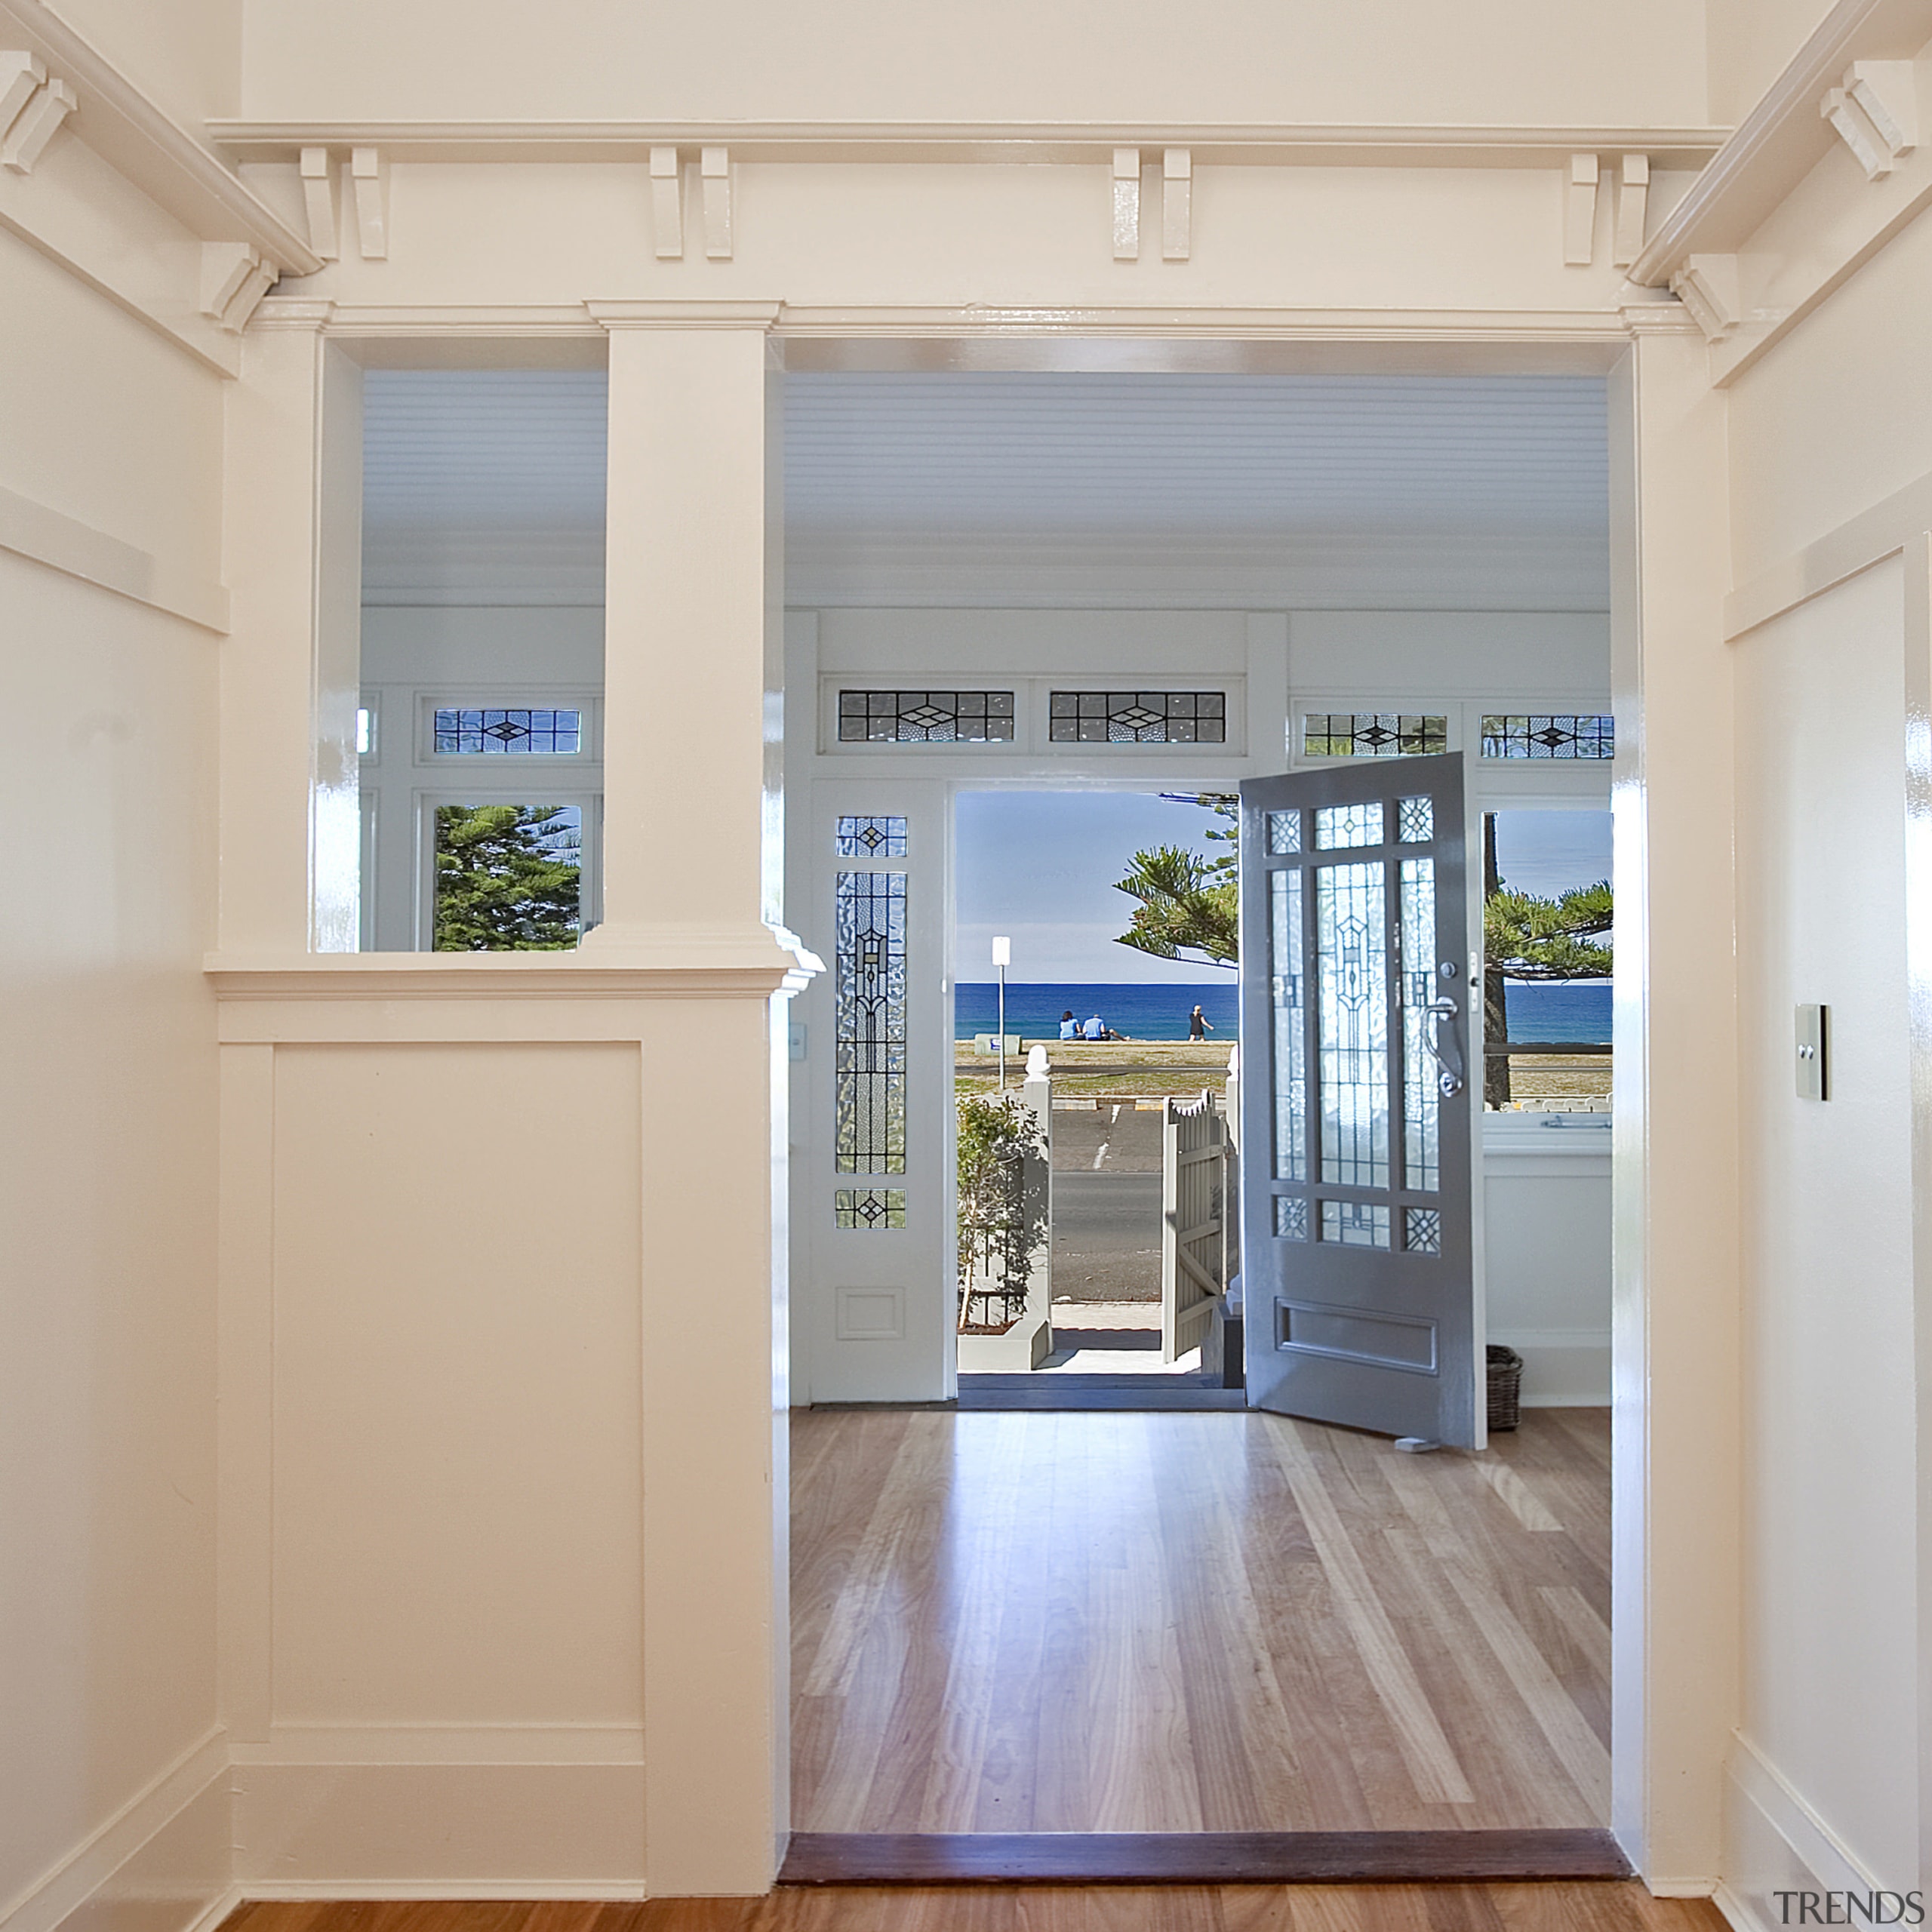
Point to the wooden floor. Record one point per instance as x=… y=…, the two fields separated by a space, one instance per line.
x=1624 y=1907
x=1149 y=1622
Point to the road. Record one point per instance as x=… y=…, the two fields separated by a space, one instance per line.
x=1107 y=1204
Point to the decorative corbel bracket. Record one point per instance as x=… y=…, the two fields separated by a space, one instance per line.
x=369 y=175
x=715 y=178
x=1709 y=287
x=1127 y=204
x=1633 y=197
x=1177 y=204
x=33 y=105
x=319 y=197
x=1876 y=113
x=234 y=279
x=1579 y=210
x=667 y=206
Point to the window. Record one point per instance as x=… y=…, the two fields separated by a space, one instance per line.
x=920 y=718
x=1138 y=718
x=1560 y=735
x=1373 y=734
x=490 y=731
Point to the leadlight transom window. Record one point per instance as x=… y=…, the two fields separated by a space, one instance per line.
x=871 y=838
x=1373 y=734
x=1138 y=718
x=1548 y=735
x=869 y=1071
x=489 y=729
x=870 y=1207
x=925 y=718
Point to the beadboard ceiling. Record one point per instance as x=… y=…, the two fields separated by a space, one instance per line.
x=1254 y=491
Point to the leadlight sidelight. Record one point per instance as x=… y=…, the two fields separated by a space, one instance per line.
x=1422 y=1230
x=1289 y=980
x=1372 y=734
x=1354 y=1223
x=925 y=718
x=543 y=733
x=1138 y=718
x=1351 y=969
x=870 y=1207
x=870 y=838
x=1564 y=735
x=1337 y=827
x=1421 y=1123
x=1290 y=1218
x=870 y=1070
x=1285 y=832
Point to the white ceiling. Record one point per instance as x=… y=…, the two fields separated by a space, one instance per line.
x=1252 y=491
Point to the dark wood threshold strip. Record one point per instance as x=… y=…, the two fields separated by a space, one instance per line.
x=1193 y=1858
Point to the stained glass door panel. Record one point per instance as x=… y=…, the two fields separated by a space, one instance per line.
x=1356 y=1188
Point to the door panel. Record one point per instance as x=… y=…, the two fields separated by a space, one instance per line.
x=1357 y=1212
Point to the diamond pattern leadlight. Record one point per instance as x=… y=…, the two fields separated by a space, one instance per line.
x=1285 y=832
x=1421 y=1230
x=1415 y=820
x=1372 y=734
x=1539 y=735
x=1138 y=718
x=870 y=838
x=869 y=1068
x=870 y=1207
x=1290 y=1218
x=1421 y=1100
x=538 y=733
x=1354 y=1223
x=1288 y=990
x=925 y=718
x=1337 y=827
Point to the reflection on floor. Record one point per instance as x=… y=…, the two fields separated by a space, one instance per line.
x=1149 y=1622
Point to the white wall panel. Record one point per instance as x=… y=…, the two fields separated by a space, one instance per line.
x=1830 y=1470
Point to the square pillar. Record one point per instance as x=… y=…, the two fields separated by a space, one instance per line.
x=1676 y=1264
x=691 y=829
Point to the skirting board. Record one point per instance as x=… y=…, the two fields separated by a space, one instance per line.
x=439 y=1830
x=1774 y=1842
x=1561 y=1370
x=158 y=1865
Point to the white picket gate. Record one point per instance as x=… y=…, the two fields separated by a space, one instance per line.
x=1194 y=1242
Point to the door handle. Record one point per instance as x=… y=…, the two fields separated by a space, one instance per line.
x=1446 y=1054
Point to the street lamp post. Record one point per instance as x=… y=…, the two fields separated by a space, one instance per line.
x=1002 y=959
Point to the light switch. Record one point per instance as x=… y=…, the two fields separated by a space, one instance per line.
x=1813 y=1033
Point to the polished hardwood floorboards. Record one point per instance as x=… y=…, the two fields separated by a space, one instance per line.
x=1622 y=1906
x=1149 y=1622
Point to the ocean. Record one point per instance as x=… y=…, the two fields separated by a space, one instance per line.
x=1140 y=1012
x=1579 y=1010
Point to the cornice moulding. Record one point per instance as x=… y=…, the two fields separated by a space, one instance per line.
x=1077 y=142
x=136 y=137
x=1781 y=139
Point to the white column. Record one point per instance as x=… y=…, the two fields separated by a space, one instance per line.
x=1676 y=1299
x=290 y=807
x=692 y=620
x=693 y=607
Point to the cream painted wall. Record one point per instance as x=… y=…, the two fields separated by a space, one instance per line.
x=185 y=54
x=1514 y=62
x=1749 y=43
x=107 y=1369
x=1829 y=1423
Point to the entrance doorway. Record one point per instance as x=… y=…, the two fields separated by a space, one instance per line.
x=949 y=1521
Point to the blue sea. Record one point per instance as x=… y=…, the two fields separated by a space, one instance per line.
x=1579 y=1010
x=1140 y=1012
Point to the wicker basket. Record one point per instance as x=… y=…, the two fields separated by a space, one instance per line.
x=1506 y=1385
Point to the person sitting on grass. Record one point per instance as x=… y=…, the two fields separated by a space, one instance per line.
x=1097 y=1029
x=1069 y=1027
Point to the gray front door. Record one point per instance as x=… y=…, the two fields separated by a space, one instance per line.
x=1356 y=1264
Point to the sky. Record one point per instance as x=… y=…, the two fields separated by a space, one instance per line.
x=1039 y=866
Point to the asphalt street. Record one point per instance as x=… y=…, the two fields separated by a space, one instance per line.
x=1107 y=1204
